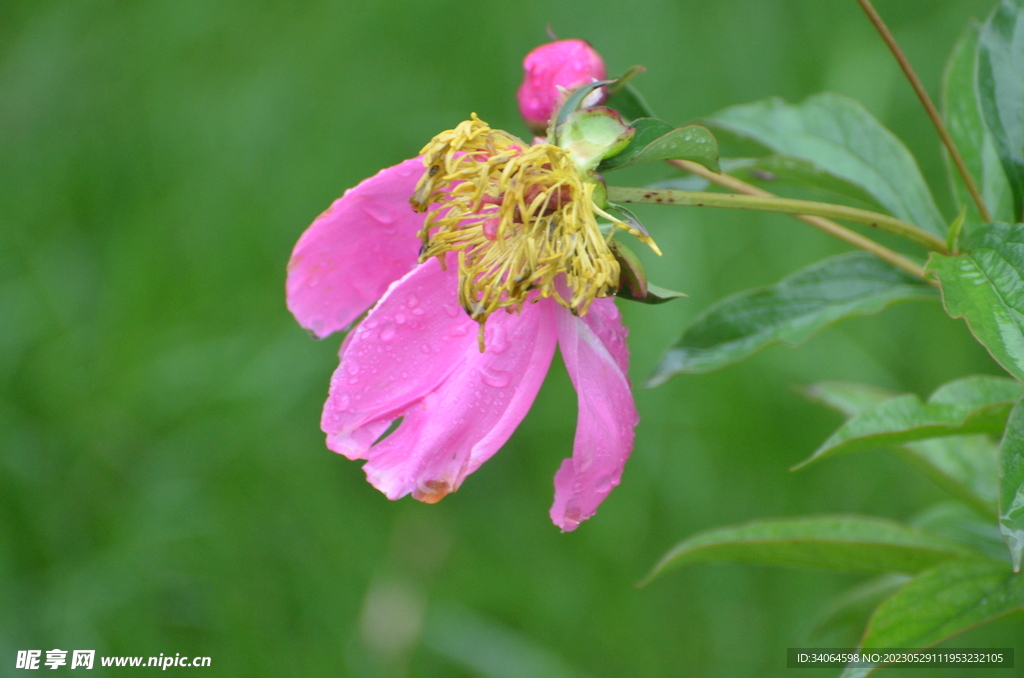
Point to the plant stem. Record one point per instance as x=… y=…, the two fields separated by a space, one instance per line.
x=826 y=225
x=929 y=107
x=765 y=203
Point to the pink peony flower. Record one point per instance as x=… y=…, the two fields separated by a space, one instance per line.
x=552 y=69
x=415 y=356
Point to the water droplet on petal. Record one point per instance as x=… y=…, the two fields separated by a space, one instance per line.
x=351 y=366
x=388 y=333
x=604 y=483
x=425 y=348
x=452 y=311
x=382 y=214
x=497 y=378
x=340 y=403
x=412 y=300
x=313 y=282
x=497 y=342
x=400 y=318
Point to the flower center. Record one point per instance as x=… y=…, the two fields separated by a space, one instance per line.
x=519 y=216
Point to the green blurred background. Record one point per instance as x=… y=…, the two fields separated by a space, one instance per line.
x=164 y=485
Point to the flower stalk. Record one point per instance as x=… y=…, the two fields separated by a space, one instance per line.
x=776 y=204
x=827 y=225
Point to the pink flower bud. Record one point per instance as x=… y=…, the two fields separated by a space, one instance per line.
x=565 y=64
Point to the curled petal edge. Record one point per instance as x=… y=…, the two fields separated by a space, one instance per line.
x=596 y=357
x=362 y=243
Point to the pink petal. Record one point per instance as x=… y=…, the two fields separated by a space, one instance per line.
x=363 y=242
x=407 y=345
x=596 y=356
x=452 y=430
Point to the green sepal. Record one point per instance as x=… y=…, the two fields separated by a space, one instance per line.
x=633 y=284
x=628 y=216
x=655 y=295
x=632 y=276
x=572 y=103
x=590 y=135
x=657 y=140
x=626 y=99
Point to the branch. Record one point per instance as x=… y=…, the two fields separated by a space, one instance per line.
x=929 y=107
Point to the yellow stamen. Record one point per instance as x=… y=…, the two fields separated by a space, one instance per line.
x=518 y=216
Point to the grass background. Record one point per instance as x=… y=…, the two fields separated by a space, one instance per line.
x=164 y=486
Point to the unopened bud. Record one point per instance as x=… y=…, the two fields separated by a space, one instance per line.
x=550 y=71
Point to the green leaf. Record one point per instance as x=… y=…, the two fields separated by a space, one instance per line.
x=855 y=606
x=964 y=466
x=790 y=311
x=978 y=404
x=985 y=286
x=1011 y=486
x=942 y=602
x=963 y=118
x=842 y=138
x=657 y=140
x=962 y=524
x=955 y=228
x=853 y=543
x=1001 y=90
x=848 y=397
x=786 y=169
